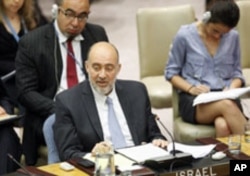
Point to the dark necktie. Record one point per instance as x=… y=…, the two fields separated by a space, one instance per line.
x=117 y=137
x=71 y=66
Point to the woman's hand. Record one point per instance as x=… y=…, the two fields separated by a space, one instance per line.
x=196 y=90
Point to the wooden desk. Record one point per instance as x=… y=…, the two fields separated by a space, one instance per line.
x=245 y=147
x=206 y=164
x=55 y=169
x=217 y=168
x=221 y=145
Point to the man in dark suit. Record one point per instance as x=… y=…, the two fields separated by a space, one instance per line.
x=82 y=115
x=42 y=62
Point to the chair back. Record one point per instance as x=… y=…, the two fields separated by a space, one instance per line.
x=156 y=28
x=243 y=28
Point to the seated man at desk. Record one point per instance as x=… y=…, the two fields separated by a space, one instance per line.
x=83 y=118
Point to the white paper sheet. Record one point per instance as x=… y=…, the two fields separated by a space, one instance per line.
x=143 y=152
x=214 y=96
x=197 y=151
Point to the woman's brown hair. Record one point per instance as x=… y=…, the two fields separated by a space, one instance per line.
x=26 y=12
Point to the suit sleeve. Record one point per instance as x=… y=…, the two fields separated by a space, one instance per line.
x=28 y=77
x=140 y=118
x=5 y=102
x=65 y=133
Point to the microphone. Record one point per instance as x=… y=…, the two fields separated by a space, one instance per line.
x=168 y=132
x=177 y=158
x=26 y=172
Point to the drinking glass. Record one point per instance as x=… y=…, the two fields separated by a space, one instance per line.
x=104 y=164
x=247 y=132
x=234 y=144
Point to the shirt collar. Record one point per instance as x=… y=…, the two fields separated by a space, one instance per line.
x=102 y=98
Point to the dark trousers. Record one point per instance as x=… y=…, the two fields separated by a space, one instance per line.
x=32 y=138
x=9 y=143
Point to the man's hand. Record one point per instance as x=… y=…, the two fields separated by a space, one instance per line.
x=101 y=147
x=160 y=143
x=2 y=111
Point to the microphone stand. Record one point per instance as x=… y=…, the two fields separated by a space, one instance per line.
x=170 y=135
x=177 y=159
x=25 y=171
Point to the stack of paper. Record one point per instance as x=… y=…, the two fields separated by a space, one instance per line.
x=219 y=95
x=197 y=151
x=149 y=151
x=141 y=153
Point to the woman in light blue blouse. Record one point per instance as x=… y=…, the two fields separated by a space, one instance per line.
x=205 y=56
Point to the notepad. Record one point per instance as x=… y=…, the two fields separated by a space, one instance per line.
x=219 y=95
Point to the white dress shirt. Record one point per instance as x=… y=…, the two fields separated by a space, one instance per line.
x=76 y=45
x=102 y=108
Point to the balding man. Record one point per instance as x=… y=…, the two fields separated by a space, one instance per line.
x=82 y=114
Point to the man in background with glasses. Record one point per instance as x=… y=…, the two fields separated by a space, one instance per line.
x=50 y=60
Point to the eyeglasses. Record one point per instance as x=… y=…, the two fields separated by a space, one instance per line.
x=71 y=15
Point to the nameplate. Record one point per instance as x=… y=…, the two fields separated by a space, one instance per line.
x=214 y=170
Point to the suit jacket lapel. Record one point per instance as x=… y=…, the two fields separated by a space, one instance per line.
x=84 y=52
x=92 y=112
x=126 y=107
x=88 y=41
x=56 y=57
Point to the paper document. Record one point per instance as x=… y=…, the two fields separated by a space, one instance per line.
x=197 y=151
x=219 y=95
x=142 y=153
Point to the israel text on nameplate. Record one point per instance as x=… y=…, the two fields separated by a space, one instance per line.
x=221 y=169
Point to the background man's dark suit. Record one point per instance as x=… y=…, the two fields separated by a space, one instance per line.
x=78 y=128
x=39 y=69
x=9 y=141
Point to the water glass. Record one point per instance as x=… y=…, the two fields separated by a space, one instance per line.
x=104 y=164
x=234 y=144
x=247 y=132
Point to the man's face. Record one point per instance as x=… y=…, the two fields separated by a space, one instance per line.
x=72 y=16
x=103 y=67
